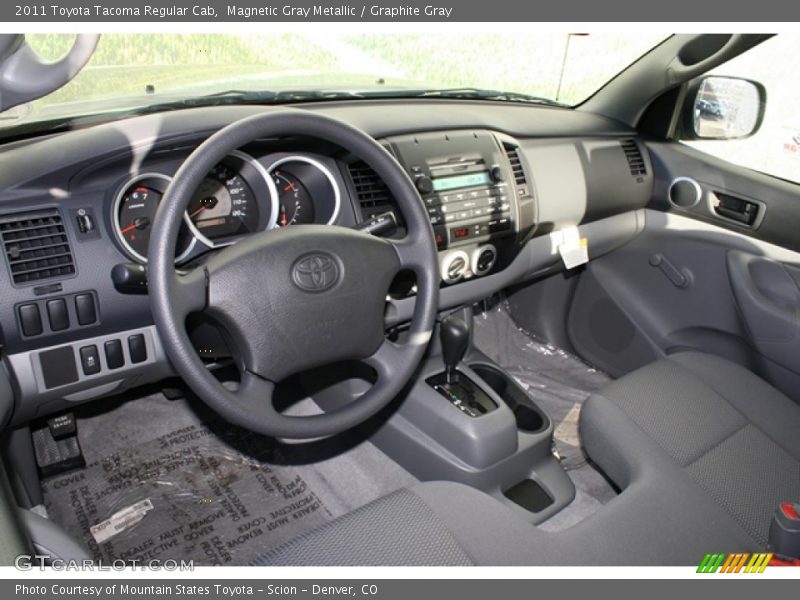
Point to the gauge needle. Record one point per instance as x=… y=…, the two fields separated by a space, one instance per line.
x=197 y=212
x=138 y=223
x=283 y=217
x=289 y=187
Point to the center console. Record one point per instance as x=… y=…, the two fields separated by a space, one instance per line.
x=465 y=419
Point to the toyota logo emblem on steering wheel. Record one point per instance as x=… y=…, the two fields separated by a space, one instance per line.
x=315 y=272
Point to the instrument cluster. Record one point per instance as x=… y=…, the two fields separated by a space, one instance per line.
x=241 y=195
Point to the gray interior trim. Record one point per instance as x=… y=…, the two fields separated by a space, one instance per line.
x=537 y=258
x=12 y=533
x=6 y=395
x=655 y=220
x=49 y=539
x=34 y=399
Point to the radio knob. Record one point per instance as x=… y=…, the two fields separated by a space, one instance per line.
x=424 y=184
x=497 y=173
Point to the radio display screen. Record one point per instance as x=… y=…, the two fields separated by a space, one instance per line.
x=460 y=181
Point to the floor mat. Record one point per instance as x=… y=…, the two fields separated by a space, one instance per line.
x=162 y=482
x=559 y=382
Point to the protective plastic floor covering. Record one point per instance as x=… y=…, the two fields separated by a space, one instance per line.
x=163 y=483
x=559 y=383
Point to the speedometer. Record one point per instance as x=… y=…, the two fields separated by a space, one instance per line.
x=224 y=206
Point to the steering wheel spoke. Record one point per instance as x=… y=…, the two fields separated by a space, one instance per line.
x=190 y=292
x=413 y=255
x=255 y=394
x=386 y=358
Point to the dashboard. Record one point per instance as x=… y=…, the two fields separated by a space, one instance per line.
x=500 y=183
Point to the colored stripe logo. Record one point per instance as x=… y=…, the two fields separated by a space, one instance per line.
x=736 y=562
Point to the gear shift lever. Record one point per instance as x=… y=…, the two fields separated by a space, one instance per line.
x=459 y=390
x=454 y=334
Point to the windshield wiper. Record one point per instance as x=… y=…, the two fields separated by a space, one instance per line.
x=484 y=94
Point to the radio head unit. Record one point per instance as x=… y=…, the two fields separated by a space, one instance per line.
x=464 y=180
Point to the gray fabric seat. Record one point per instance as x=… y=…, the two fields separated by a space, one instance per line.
x=732 y=434
x=702 y=450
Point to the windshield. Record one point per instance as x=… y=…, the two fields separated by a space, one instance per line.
x=136 y=71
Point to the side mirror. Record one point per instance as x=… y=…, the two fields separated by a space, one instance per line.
x=723 y=108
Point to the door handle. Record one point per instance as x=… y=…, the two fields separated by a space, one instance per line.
x=745 y=212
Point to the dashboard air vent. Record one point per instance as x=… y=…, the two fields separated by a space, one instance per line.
x=373 y=195
x=634 y=157
x=36 y=246
x=516 y=164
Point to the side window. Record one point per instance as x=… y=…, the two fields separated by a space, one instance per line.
x=775 y=148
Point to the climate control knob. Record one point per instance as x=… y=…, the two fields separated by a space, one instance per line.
x=483 y=259
x=454 y=266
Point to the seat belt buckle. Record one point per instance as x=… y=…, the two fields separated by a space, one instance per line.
x=784 y=531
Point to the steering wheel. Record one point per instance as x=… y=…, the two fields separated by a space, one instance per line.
x=294 y=298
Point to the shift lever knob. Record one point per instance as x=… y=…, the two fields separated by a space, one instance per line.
x=454 y=333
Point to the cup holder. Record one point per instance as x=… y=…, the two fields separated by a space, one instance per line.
x=529 y=418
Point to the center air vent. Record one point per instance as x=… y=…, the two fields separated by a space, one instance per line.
x=373 y=195
x=634 y=157
x=516 y=164
x=36 y=246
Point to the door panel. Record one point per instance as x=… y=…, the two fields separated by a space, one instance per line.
x=700 y=278
x=768 y=297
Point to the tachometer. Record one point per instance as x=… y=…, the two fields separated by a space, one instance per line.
x=134 y=210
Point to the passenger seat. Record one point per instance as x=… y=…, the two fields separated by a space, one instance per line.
x=736 y=437
x=702 y=450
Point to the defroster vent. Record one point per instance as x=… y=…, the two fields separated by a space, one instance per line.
x=36 y=246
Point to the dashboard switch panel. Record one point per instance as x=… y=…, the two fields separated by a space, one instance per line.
x=64 y=313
